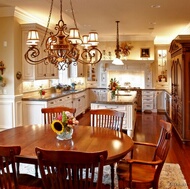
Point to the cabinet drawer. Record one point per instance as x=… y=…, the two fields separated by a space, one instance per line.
x=51 y=103
x=147 y=97
x=147 y=106
x=148 y=93
x=147 y=101
x=63 y=99
x=78 y=95
x=113 y=107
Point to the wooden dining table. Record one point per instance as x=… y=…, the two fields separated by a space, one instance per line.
x=85 y=138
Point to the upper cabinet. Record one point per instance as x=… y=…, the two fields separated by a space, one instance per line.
x=76 y=70
x=162 y=67
x=39 y=71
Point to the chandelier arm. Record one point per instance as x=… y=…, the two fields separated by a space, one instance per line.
x=90 y=53
x=31 y=54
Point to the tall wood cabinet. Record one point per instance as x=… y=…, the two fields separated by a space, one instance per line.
x=180 y=79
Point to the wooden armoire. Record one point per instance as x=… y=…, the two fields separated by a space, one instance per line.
x=180 y=80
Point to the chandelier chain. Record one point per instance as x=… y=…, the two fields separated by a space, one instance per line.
x=73 y=14
x=47 y=27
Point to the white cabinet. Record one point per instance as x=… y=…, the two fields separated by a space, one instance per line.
x=76 y=70
x=62 y=101
x=79 y=102
x=148 y=101
x=98 y=95
x=91 y=75
x=161 y=101
x=129 y=118
x=39 y=71
x=32 y=112
x=32 y=109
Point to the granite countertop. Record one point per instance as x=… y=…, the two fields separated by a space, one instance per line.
x=120 y=99
x=49 y=96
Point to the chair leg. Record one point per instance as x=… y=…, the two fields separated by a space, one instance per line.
x=36 y=170
x=18 y=166
x=112 y=176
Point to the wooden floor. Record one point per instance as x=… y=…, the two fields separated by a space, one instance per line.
x=147 y=129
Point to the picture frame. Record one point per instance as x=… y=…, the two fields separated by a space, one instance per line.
x=145 y=52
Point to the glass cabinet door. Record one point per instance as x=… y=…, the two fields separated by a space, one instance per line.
x=162 y=65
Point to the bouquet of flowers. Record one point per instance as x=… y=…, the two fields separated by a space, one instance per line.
x=113 y=86
x=42 y=91
x=63 y=125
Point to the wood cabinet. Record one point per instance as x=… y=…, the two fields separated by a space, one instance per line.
x=39 y=71
x=180 y=79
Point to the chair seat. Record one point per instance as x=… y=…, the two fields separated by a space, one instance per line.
x=27 y=181
x=139 y=175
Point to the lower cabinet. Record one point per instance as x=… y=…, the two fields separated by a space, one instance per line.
x=160 y=101
x=32 y=112
x=62 y=101
x=148 y=101
x=129 y=118
x=79 y=102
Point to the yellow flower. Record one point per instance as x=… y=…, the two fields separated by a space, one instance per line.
x=57 y=126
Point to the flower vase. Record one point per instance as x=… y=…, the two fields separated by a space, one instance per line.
x=42 y=96
x=66 y=135
x=112 y=95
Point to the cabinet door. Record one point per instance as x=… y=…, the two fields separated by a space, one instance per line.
x=32 y=112
x=160 y=101
x=76 y=70
x=27 y=69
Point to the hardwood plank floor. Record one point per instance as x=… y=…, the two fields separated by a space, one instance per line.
x=147 y=129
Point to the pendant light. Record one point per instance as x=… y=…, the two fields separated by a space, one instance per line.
x=117 y=60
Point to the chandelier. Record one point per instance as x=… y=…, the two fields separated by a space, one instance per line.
x=63 y=48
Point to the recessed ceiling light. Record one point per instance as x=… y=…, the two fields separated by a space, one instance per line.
x=155 y=6
x=152 y=23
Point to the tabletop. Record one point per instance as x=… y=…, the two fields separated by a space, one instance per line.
x=85 y=138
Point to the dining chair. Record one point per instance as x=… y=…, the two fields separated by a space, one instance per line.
x=52 y=112
x=9 y=179
x=71 y=169
x=107 y=118
x=137 y=174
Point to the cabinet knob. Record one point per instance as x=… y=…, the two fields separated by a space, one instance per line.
x=45 y=75
x=53 y=74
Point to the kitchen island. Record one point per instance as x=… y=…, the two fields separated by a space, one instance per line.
x=124 y=102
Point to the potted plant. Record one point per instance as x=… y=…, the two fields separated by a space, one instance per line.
x=59 y=88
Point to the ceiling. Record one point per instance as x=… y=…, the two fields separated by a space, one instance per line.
x=158 y=20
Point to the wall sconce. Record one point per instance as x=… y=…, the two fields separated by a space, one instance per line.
x=2 y=67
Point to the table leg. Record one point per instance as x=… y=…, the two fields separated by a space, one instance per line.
x=112 y=176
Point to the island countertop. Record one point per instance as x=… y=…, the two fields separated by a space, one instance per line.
x=124 y=98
